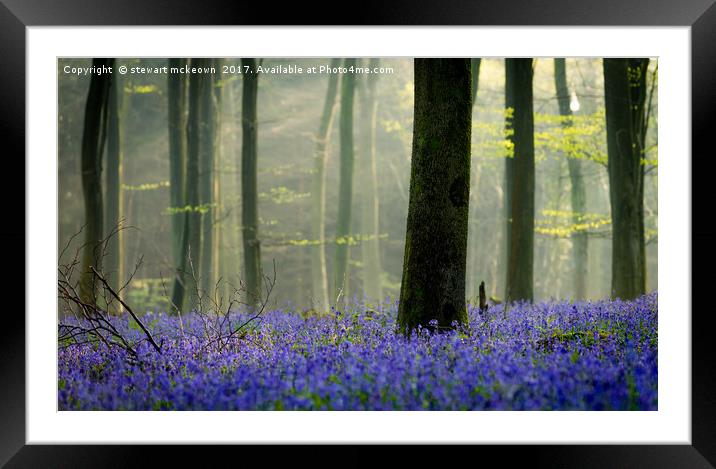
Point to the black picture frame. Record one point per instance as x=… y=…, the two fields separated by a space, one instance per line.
x=700 y=15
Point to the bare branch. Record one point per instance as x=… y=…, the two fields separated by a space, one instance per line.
x=128 y=309
x=93 y=320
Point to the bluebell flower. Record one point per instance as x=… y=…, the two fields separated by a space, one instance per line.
x=544 y=356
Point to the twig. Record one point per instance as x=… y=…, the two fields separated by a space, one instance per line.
x=129 y=310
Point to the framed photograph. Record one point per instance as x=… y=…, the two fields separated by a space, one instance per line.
x=429 y=225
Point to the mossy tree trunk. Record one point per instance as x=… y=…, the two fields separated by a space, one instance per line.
x=249 y=182
x=578 y=192
x=114 y=260
x=93 y=138
x=367 y=167
x=520 y=196
x=177 y=88
x=624 y=98
x=185 y=285
x=345 y=185
x=319 y=284
x=433 y=282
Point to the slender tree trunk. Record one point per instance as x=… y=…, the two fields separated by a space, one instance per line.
x=249 y=181
x=521 y=183
x=114 y=260
x=177 y=150
x=93 y=136
x=177 y=167
x=370 y=225
x=624 y=97
x=345 y=195
x=604 y=264
x=219 y=220
x=233 y=244
x=580 y=246
x=473 y=239
x=497 y=263
x=509 y=170
x=433 y=283
x=319 y=275
x=207 y=137
x=186 y=282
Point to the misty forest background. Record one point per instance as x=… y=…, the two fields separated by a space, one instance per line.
x=572 y=255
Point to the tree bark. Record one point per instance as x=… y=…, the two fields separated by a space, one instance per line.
x=370 y=224
x=521 y=183
x=177 y=87
x=580 y=247
x=185 y=285
x=219 y=221
x=249 y=182
x=473 y=239
x=345 y=195
x=509 y=173
x=207 y=137
x=319 y=275
x=624 y=96
x=433 y=282
x=93 y=137
x=483 y=298
x=114 y=260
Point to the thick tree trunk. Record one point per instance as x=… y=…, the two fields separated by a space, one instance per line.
x=624 y=96
x=521 y=183
x=319 y=275
x=370 y=225
x=580 y=247
x=433 y=283
x=249 y=181
x=207 y=137
x=186 y=281
x=345 y=195
x=177 y=167
x=93 y=136
x=114 y=260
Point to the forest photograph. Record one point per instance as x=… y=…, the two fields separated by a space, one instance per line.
x=380 y=233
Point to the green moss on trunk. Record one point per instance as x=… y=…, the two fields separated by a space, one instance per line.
x=433 y=284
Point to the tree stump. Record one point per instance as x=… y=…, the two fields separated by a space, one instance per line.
x=483 y=298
